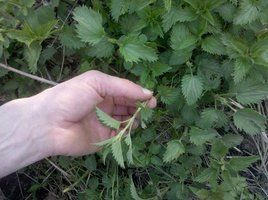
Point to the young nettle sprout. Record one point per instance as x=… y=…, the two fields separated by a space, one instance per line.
x=114 y=144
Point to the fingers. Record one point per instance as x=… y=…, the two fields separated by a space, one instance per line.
x=152 y=103
x=123 y=110
x=106 y=85
x=123 y=101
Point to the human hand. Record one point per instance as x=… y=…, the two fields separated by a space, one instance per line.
x=68 y=110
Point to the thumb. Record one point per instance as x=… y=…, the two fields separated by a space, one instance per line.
x=106 y=85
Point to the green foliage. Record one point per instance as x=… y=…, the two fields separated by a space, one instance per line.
x=206 y=61
x=174 y=149
x=241 y=163
x=192 y=88
x=134 y=49
x=199 y=136
x=249 y=121
x=107 y=120
x=89 y=27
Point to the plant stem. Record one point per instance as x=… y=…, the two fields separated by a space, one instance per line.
x=37 y=78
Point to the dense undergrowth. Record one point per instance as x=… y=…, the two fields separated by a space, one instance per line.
x=207 y=62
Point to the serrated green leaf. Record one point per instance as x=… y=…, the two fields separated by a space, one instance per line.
x=89 y=27
x=32 y=54
x=145 y=115
x=247 y=13
x=235 y=47
x=118 y=8
x=174 y=149
x=259 y=51
x=241 y=69
x=211 y=117
x=218 y=150
x=167 y=4
x=134 y=49
x=133 y=191
x=249 y=121
x=169 y=19
x=200 y=136
x=168 y=95
x=117 y=152
x=107 y=142
x=213 y=45
x=128 y=141
x=248 y=92
x=232 y=140
x=239 y=163
x=107 y=120
x=68 y=38
x=180 y=56
x=206 y=175
x=103 y=49
x=25 y=35
x=174 y=15
x=192 y=88
x=159 y=68
x=181 y=37
x=227 y=11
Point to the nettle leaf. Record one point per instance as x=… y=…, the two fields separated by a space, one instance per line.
x=69 y=39
x=206 y=175
x=145 y=115
x=259 y=51
x=118 y=8
x=174 y=149
x=213 y=45
x=25 y=35
x=128 y=141
x=32 y=54
x=211 y=117
x=103 y=49
x=134 y=49
x=181 y=37
x=174 y=15
x=239 y=163
x=180 y=56
x=249 y=121
x=227 y=12
x=168 y=95
x=241 y=69
x=133 y=191
x=235 y=47
x=218 y=150
x=89 y=27
x=107 y=120
x=37 y=27
x=167 y=4
x=232 y=140
x=247 y=13
x=248 y=92
x=159 y=68
x=118 y=153
x=192 y=88
x=200 y=136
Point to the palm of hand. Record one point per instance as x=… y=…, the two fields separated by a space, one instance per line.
x=68 y=110
x=78 y=129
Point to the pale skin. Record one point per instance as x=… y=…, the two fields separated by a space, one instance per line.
x=62 y=120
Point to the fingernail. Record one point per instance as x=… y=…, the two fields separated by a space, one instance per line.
x=146 y=91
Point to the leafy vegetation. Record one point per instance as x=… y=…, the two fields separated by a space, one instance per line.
x=207 y=62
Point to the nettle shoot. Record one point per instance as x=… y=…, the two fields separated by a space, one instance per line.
x=123 y=136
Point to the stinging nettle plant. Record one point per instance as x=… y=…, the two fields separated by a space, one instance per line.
x=207 y=62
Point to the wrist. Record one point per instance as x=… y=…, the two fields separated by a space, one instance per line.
x=24 y=136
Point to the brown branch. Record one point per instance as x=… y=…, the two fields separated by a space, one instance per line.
x=37 y=78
